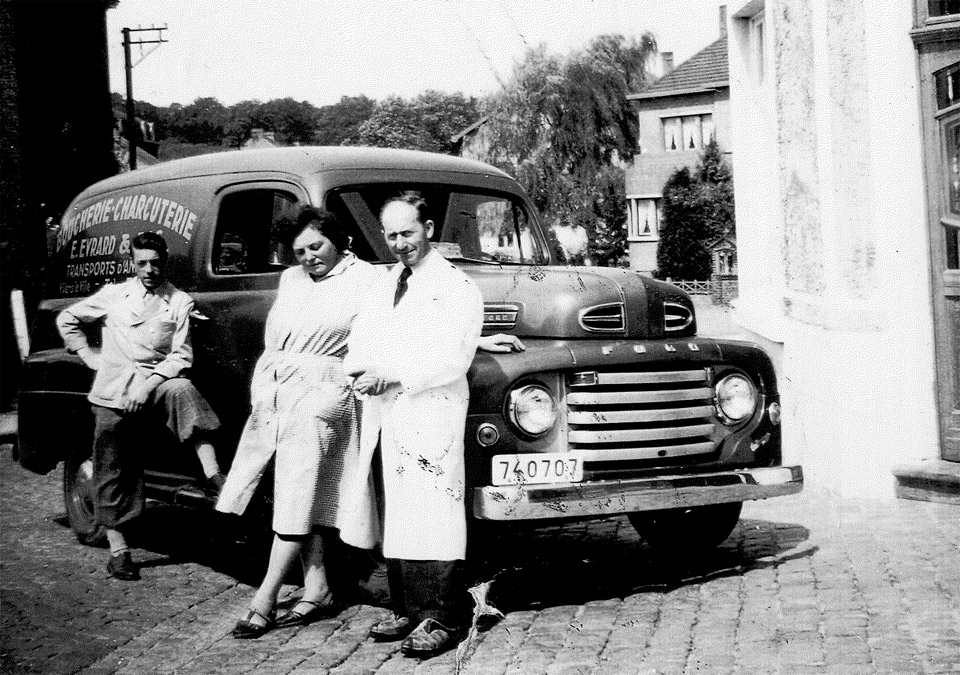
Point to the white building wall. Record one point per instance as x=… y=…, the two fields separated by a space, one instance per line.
x=832 y=235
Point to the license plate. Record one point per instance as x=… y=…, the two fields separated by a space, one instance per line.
x=549 y=467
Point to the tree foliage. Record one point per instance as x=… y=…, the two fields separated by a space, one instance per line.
x=563 y=127
x=292 y=121
x=697 y=208
x=424 y=123
x=339 y=124
x=203 y=121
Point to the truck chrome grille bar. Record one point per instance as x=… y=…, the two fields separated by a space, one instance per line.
x=623 y=416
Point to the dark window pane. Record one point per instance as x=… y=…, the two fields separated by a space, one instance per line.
x=951 y=133
x=953 y=247
x=244 y=242
x=948 y=86
x=941 y=7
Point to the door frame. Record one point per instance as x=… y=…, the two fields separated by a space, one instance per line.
x=937 y=41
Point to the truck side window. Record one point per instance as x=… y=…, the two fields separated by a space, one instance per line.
x=243 y=243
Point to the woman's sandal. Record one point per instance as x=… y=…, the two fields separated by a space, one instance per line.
x=246 y=629
x=317 y=611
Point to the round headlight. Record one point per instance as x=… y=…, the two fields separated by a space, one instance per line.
x=533 y=409
x=736 y=398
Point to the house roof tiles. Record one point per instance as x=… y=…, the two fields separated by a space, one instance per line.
x=706 y=69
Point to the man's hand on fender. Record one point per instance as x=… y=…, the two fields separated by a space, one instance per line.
x=501 y=343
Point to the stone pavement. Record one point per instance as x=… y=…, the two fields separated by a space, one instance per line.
x=806 y=584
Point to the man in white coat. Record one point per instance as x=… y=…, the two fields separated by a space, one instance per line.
x=410 y=350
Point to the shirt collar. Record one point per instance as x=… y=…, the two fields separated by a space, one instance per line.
x=348 y=260
x=427 y=263
x=164 y=290
x=341 y=267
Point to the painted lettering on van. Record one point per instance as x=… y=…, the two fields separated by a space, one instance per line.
x=93 y=247
x=143 y=208
x=101 y=268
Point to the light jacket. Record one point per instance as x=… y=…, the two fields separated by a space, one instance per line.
x=135 y=344
x=426 y=345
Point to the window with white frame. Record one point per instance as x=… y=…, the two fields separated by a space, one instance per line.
x=687 y=132
x=672 y=138
x=643 y=219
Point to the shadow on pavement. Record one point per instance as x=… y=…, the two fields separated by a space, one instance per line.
x=177 y=535
x=554 y=566
x=531 y=567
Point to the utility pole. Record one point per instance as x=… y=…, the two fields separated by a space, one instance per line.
x=129 y=65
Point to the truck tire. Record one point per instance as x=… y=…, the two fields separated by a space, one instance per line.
x=696 y=528
x=78 y=499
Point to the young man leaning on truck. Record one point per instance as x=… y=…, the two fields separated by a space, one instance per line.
x=140 y=372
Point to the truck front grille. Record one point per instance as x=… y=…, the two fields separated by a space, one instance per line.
x=630 y=416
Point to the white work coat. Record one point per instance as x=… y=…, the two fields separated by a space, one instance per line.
x=426 y=344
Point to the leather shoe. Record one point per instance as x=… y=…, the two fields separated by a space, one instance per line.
x=389 y=630
x=246 y=629
x=316 y=612
x=428 y=639
x=121 y=567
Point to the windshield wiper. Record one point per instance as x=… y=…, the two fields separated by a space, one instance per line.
x=481 y=261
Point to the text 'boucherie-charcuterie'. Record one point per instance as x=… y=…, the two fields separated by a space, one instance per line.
x=148 y=209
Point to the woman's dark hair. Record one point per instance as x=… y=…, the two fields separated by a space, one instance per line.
x=321 y=220
x=152 y=241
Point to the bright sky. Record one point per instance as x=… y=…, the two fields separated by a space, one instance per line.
x=320 y=50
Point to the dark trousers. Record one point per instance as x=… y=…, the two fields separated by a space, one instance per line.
x=117 y=451
x=428 y=589
x=423 y=589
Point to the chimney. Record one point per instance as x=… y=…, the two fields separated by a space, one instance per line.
x=723 y=21
x=667 y=58
x=256 y=134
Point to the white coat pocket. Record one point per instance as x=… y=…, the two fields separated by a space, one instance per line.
x=162 y=335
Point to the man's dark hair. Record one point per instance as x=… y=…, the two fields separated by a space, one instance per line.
x=321 y=220
x=152 y=241
x=412 y=198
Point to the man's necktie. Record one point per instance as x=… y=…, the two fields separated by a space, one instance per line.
x=401 y=284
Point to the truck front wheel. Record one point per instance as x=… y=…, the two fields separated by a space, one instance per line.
x=684 y=530
x=78 y=499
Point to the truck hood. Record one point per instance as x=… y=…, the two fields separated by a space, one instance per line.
x=579 y=302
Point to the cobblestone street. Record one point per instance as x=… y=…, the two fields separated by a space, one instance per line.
x=806 y=584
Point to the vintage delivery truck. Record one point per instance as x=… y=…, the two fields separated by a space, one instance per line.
x=616 y=406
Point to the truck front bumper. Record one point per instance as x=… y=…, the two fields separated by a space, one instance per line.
x=602 y=498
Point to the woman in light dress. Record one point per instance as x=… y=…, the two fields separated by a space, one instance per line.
x=305 y=414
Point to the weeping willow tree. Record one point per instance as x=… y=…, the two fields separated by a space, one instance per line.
x=563 y=127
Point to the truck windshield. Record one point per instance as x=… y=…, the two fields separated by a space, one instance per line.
x=469 y=226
